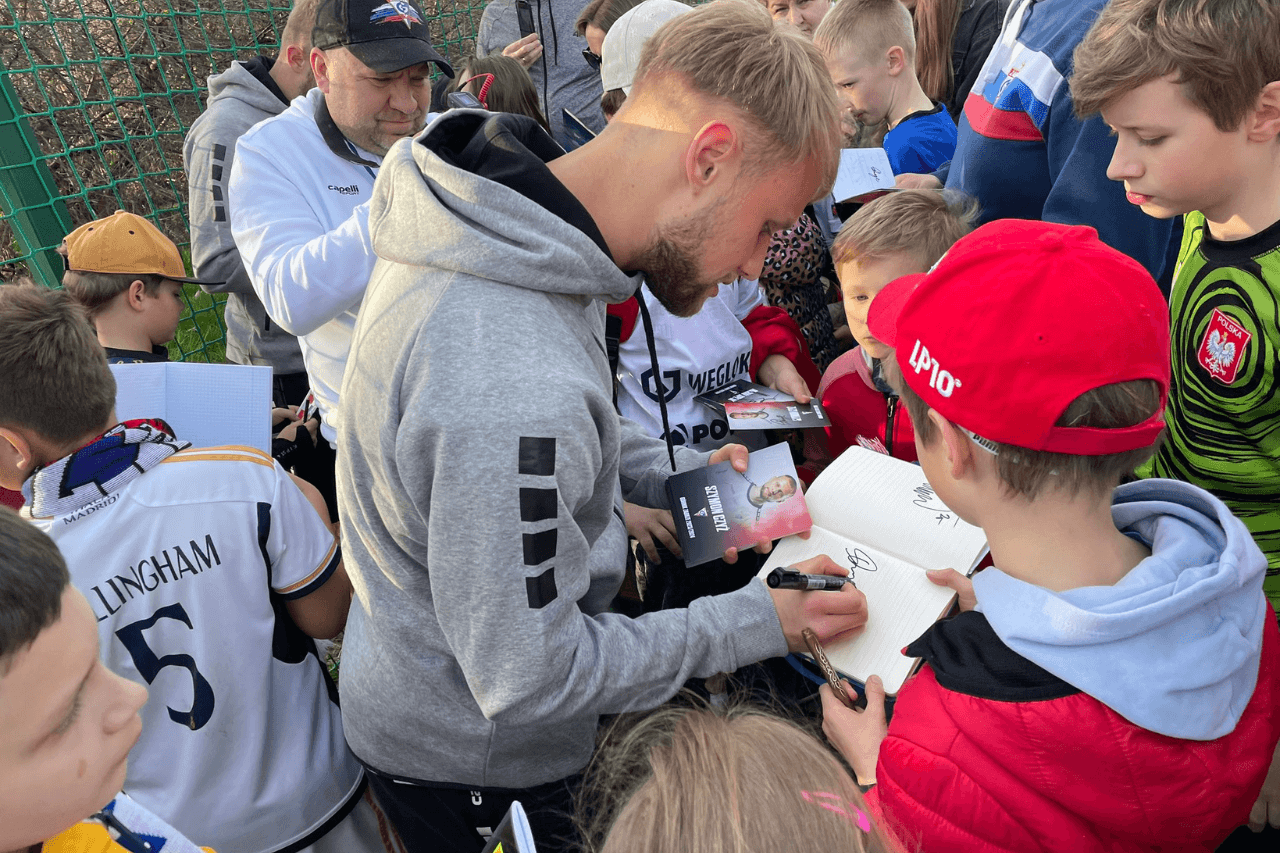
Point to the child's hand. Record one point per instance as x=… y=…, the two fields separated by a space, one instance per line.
x=651 y=526
x=961 y=585
x=1267 y=808
x=777 y=372
x=281 y=415
x=856 y=734
x=917 y=182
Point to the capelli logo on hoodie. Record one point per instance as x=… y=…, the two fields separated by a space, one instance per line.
x=350 y=189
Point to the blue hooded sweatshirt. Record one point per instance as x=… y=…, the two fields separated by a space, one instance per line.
x=1173 y=647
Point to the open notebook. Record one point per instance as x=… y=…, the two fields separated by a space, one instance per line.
x=208 y=405
x=878 y=517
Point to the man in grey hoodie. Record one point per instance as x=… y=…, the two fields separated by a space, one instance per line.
x=240 y=97
x=482 y=466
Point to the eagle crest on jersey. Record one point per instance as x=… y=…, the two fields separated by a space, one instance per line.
x=1223 y=347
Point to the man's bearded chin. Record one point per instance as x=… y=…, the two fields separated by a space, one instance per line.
x=670 y=268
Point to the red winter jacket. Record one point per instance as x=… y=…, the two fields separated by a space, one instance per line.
x=860 y=414
x=988 y=752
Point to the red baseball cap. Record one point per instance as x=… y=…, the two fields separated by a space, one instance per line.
x=1019 y=319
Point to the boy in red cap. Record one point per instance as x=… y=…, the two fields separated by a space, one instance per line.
x=1113 y=682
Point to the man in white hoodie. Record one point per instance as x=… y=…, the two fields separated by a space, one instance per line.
x=301 y=180
x=240 y=97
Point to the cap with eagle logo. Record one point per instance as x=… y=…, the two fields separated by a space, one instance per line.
x=386 y=35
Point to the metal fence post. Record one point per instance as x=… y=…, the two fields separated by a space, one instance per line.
x=28 y=195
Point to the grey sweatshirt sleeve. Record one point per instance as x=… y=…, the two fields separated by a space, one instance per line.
x=207 y=155
x=645 y=466
x=520 y=522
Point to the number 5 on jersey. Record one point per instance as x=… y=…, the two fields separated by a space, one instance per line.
x=149 y=665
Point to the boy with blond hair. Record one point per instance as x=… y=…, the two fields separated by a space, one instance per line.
x=1035 y=362
x=207 y=572
x=129 y=278
x=1189 y=141
x=900 y=234
x=870 y=49
x=67 y=722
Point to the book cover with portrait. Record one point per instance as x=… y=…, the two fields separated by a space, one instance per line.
x=775 y=414
x=716 y=507
x=739 y=391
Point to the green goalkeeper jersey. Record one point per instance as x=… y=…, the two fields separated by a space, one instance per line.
x=1224 y=409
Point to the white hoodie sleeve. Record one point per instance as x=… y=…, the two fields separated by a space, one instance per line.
x=305 y=271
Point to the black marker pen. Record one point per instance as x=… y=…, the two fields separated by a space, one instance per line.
x=781 y=578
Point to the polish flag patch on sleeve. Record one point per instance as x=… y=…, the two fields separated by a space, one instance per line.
x=1223 y=347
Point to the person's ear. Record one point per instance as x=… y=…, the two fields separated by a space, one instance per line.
x=715 y=149
x=320 y=69
x=296 y=58
x=1264 y=120
x=959 y=448
x=17 y=458
x=896 y=60
x=136 y=295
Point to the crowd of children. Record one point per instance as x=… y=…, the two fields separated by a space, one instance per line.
x=1110 y=682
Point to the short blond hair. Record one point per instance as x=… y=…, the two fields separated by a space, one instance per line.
x=1222 y=52
x=867 y=28
x=299 y=24
x=728 y=780
x=922 y=224
x=774 y=76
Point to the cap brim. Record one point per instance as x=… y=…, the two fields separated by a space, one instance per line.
x=198 y=281
x=882 y=316
x=387 y=56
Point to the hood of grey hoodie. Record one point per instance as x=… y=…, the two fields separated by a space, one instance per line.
x=237 y=83
x=1174 y=646
x=439 y=202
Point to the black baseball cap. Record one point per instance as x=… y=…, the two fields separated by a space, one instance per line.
x=386 y=35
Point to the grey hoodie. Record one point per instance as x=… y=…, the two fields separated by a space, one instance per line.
x=479 y=480
x=562 y=76
x=238 y=99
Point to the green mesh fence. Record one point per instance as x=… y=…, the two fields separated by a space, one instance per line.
x=95 y=99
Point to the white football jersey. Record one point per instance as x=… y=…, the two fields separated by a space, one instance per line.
x=241 y=745
x=696 y=354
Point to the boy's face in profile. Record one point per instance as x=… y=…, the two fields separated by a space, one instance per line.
x=1172 y=158
x=163 y=310
x=860 y=282
x=67 y=724
x=863 y=85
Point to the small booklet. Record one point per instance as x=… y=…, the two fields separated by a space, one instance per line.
x=576 y=129
x=716 y=507
x=738 y=391
x=513 y=835
x=878 y=517
x=208 y=405
x=775 y=414
x=862 y=171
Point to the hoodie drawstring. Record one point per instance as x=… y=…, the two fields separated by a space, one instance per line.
x=657 y=375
